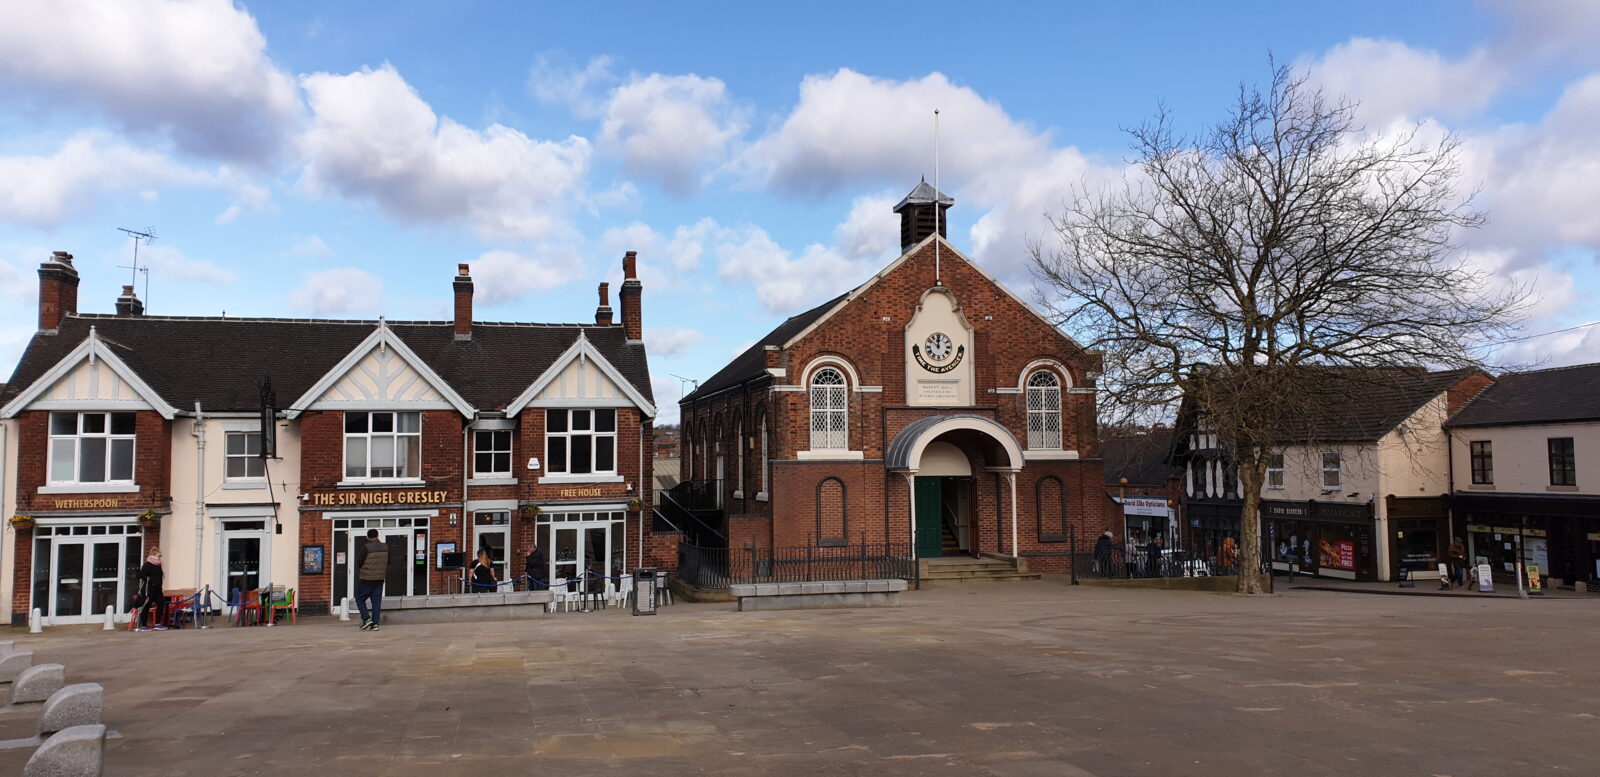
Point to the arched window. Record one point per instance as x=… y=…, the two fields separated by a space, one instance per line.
x=738 y=452
x=830 y=427
x=1044 y=411
x=764 y=463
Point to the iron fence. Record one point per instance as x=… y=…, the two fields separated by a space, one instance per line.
x=1135 y=560
x=718 y=568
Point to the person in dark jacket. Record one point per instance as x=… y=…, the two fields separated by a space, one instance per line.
x=1103 y=549
x=483 y=580
x=152 y=580
x=372 y=568
x=537 y=569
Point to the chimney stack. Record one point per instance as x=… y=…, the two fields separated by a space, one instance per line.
x=463 y=287
x=921 y=212
x=128 y=305
x=602 y=314
x=58 y=290
x=632 y=325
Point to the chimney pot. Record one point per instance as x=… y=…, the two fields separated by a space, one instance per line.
x=463 y=290
x=602 y=314
x=58 y=290
x=128 y=305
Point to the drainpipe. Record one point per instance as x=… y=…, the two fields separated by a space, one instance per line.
x=199 y=432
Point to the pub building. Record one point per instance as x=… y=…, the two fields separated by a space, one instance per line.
x=1525 y=458
x=1357 y=488
x=928 y=409
x=257 y=451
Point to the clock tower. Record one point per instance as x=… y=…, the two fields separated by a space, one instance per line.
x=938 y=352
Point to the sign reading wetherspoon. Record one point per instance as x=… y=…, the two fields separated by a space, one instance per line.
x=348 y=498
x=86 y=504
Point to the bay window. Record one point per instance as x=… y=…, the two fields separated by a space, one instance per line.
x=580 y=442
x=382 y=446
x=91 y=448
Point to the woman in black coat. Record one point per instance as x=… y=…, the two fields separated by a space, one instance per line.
x=150 y=592
x=483 y=575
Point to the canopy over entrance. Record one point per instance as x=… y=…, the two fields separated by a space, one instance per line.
x=971 y=432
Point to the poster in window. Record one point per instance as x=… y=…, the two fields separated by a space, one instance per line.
x=1336 y=549
x=311 y=559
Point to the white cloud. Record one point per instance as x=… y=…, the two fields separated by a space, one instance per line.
x=872 y=230
x=786 y=283
x=372 y=136
x=342 y=290
x=667 y=391
x=506 y=276
x=1393 y=80
x=673 y=128
x=671 y=341
x=167 y=261
x=577 y=88
x=311 y=245
x=43 y=190
x=196 y=72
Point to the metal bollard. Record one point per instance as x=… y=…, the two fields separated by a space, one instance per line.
x=111 y=617
x=344 y=610
x=36 y=621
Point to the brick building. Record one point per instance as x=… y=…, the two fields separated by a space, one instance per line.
x=929 y=407
x=125 y=432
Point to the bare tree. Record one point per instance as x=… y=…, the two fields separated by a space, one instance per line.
x=1280 y=239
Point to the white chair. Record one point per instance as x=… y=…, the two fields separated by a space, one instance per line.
x=560 y=598
x=619 y=595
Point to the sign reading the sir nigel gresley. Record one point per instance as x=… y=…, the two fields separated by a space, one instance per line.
x=369 y=498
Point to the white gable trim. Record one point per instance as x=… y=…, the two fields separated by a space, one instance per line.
x=89 y=350
x=382 y=337
x=862 y=289
x=582 y=349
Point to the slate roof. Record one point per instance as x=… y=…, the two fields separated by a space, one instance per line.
x=752 y=363
x=1559 y=395
x=1362 y=405
x=922 y=194
x=1142 y=459
x=219 y=361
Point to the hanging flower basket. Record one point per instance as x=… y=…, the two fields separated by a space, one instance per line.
x=635 y=506
x=149 y=520
x=22 y=522
x=530 y=512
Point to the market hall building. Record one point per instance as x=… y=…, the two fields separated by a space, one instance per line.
x=128 y=432
x=928 y=407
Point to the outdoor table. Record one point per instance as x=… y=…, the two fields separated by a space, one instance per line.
x=175 y=599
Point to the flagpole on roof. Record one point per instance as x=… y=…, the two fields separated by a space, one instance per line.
x=938 y=215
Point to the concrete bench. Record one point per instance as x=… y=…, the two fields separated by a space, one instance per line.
x=832 y=594
x=440 y=608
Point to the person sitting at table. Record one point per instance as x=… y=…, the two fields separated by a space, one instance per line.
x=149 y=593
x=483 y=578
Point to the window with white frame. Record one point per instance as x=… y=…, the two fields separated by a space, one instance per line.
x=1274 y=470
x=491 y=453
x=242 y=456
x=830 y=425
x=1330 y=469
x=1044 y=411
x=382 y=445
x=580 y=442
x=91 y=448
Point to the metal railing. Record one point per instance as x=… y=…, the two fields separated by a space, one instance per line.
x=718 y=568
x=1147 y=560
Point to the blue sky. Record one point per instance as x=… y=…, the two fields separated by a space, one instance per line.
x=312 y=159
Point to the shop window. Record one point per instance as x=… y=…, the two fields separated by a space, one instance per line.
x=382 y=446
x=830 y=426
x=1275 y=470
x=491 y=453
x=1563 y=462
x=1330 y=470
x=1482 y=463
x=242 y=456
x=1044 y=411
x=91 y=448
x=581 y=442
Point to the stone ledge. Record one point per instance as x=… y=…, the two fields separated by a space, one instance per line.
x=445 y=601
x=820 y=601
x=743 y=590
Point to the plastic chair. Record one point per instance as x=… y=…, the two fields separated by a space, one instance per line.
x=285 y=604
x=250 y=608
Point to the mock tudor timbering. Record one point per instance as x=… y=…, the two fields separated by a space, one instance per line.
x=909 y=388
x=126 y=432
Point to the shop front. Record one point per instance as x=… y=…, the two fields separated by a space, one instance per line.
x=1560 y=536
x=405 y=534
x=1211 y=524
x=1419 y=533
x=1321 y=538
x=83 y=566
x=585 y=541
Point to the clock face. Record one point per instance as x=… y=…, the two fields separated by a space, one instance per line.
x=938 y=346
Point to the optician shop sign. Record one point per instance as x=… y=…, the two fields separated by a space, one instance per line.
x=1141 y=505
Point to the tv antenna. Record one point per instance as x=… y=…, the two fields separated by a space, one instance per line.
x=147 y=237
x=682 y=380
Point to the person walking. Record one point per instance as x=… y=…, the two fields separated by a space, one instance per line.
x=150 y=593
x=536 y=569
x=1103 y=548
x=483 y=579
x=1155 y=556
x=1230 y=556
x=372 y=568
x=1457 y=556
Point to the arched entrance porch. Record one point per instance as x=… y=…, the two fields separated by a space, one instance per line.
x=937 y=455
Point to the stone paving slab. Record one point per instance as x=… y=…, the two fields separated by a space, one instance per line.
x=1004 y=680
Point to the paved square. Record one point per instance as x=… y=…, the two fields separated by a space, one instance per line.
x=1009 y=680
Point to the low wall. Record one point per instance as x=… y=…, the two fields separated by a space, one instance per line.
x=450 y=608
x=1220 y=584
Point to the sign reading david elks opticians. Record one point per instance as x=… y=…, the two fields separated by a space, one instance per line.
x=365 y=498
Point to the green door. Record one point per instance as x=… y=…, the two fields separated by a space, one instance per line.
x=930 y=532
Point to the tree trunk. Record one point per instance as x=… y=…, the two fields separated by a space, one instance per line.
x=1251 y=475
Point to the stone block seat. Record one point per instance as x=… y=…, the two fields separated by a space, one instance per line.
x=440 y=608
x=832 y=594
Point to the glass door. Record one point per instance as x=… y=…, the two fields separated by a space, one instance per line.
x=245 y=546
x=88 y=579
x=398 y=582
x=66 y=596
x=492 y=532
x=566 y=552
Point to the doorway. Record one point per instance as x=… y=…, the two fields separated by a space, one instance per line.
x=406 y=539
x=589 y=544
x=82 y=570
x=491 y=531
x=944 y=516
x=245 y=548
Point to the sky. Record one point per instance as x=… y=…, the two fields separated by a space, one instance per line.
x=306 y=159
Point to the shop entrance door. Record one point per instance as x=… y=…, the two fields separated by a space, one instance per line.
x=579 y=549
x=492 y=535
x=88 y=579
x=245 y=545
x=398 y=541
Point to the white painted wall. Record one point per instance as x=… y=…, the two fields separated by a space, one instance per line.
x=8 y=508
x=1522 y=457
x=581 y=379
x=382 y=376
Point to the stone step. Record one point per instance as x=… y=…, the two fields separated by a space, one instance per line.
x=967 y=566
x=963 y=573
x=1011 y=577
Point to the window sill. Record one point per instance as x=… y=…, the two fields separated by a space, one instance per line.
x=761 y=496
x=1032 y=455
x=1274 y=488
x=830 y=455
x=1480 y=487
x=409 y=482
x=561 y=479
x=738 y=494
x=244 y=485
x=1561 y=488
x=492 y=481
x=1053 y=538
x=91 y=488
